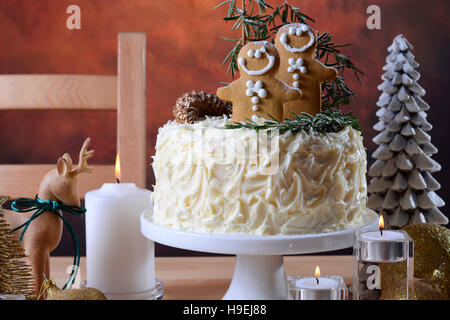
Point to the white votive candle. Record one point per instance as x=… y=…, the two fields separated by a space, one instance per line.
x=326 y=289
x=383 y=245
x=317 y=288
x=120 y=260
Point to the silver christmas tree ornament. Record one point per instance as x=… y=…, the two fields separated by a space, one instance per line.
x=402 y=187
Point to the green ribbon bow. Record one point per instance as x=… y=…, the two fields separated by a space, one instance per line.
x=39 y=207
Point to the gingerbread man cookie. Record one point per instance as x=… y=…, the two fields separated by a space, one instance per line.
x=257 y=92
x=296 y=44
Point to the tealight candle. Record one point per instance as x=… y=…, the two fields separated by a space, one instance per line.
x=120 y=260
x=317 y=287
x=383 y=246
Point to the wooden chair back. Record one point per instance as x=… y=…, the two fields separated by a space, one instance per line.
x=124 y=93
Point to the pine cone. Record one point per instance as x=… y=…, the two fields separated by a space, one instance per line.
x=192 y=106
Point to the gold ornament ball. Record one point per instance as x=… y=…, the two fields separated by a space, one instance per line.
x=431 y=266
x=431 y=258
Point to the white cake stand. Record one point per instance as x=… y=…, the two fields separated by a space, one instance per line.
x=259 y=270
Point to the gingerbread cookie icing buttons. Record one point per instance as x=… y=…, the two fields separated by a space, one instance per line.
x=293 y=66
x=257 y=88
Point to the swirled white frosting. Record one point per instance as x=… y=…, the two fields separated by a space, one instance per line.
x=206 y=181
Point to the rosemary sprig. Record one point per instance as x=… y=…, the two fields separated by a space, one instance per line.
x=259 y=21
x=336 y=92
x=330 y=120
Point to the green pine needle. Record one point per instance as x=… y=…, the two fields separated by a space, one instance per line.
x=327 y=121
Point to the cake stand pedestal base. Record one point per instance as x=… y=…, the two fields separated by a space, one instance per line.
x=258 y=278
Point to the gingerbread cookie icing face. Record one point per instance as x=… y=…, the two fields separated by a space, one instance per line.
x=257 y=55
x=297 y=30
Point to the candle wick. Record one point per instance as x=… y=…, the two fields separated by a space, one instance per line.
x=118 y=181
x=381 y=232
x=317 y=279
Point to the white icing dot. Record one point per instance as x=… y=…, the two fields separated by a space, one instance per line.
x=304 y=27
x=257 y=54
x=283 y=37
x=250 y=53
x=263 y=49
x=241 y=60
x=296 y=76
x=255 y=118
x=255 y=108
x=291 y=30
x=262 y=93
x=249 y=92
x=290 y=69
x=250 y=84
x=300 y=61
x=255 y=100
x=291 y=61
x=302 y=69
x=296 y=84
x=298 y=32
x=258 y=84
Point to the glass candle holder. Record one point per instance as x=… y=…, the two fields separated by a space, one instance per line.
x=383 y=265
x=322 y=288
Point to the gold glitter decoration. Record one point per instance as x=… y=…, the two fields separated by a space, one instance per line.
x=428 y=289
x=15 y=273
x=52 y=291
x=393 y=281
x=431 y=254
x=431 y=265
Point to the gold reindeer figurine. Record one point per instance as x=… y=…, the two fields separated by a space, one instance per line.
x=44 y=232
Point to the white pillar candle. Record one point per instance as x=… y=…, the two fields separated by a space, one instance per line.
x=120 y=260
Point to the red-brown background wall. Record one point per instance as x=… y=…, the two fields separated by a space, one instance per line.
x=184 y=52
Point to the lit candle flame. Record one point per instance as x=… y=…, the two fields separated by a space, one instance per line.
x=317 y=272
x=381 y=224
x=117 y=168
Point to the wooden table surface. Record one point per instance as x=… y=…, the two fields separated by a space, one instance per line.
x=209 y=277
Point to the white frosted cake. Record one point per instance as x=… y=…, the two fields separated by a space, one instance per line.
x=280 y=165
x=207 y=182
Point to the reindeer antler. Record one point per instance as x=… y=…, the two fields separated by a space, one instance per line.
x=85 y=155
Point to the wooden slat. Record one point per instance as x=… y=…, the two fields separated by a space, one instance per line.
x=58 y=92
x=131 y=121
x=23 y=180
